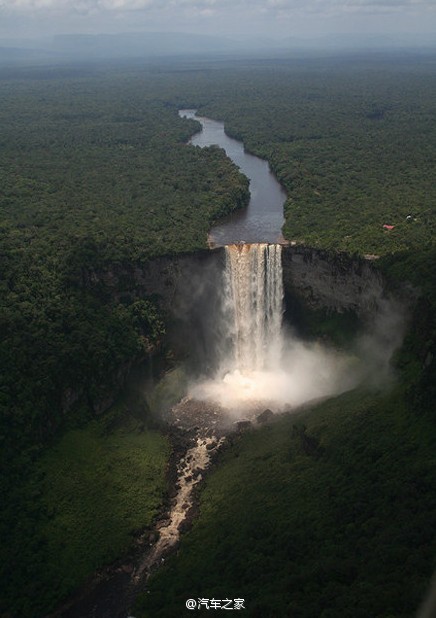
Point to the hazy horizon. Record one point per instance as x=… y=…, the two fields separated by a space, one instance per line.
x=268 y=22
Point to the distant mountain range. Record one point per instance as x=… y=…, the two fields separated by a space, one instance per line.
x=154 y=44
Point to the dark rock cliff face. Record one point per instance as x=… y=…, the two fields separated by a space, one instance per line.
x=333 y=281
x=164 y=278
x=322 y=279
x=187 y=289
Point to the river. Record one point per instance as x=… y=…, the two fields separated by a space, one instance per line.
x=262 y=220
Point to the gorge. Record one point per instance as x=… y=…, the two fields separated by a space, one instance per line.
x=226 y=308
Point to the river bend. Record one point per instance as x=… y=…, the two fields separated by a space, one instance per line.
x=262 y=220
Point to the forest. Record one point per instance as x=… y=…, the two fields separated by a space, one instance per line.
x=91 y=174
x=95 y=172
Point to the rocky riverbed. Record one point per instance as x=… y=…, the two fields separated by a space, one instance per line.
x=198 y=430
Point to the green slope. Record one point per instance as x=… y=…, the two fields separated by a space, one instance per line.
x=77 y=510
x=327 y=513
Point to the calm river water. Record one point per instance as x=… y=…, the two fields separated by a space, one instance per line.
x=262 y=220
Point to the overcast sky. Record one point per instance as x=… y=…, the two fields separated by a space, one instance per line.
x=269 y=18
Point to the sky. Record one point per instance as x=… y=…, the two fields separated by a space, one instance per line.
x=272 y=19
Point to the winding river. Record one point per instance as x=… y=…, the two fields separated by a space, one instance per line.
x=262 y=220
x=199 y=426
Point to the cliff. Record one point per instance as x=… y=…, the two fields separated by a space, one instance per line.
x=330 y=280
x=187 y=290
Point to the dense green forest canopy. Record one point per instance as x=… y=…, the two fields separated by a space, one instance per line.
x=95 y=171
x=354 y=149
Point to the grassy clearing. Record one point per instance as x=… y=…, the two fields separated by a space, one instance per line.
x=327 y=513
x=78 y=509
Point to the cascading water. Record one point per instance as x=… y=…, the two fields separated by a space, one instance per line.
x=258 y=366
x=253 y=292
x=250 y=372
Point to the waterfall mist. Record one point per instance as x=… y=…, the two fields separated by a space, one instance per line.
x=260 y=364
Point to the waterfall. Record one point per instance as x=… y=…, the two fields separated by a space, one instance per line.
x=253 y=290
x=258 y=367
